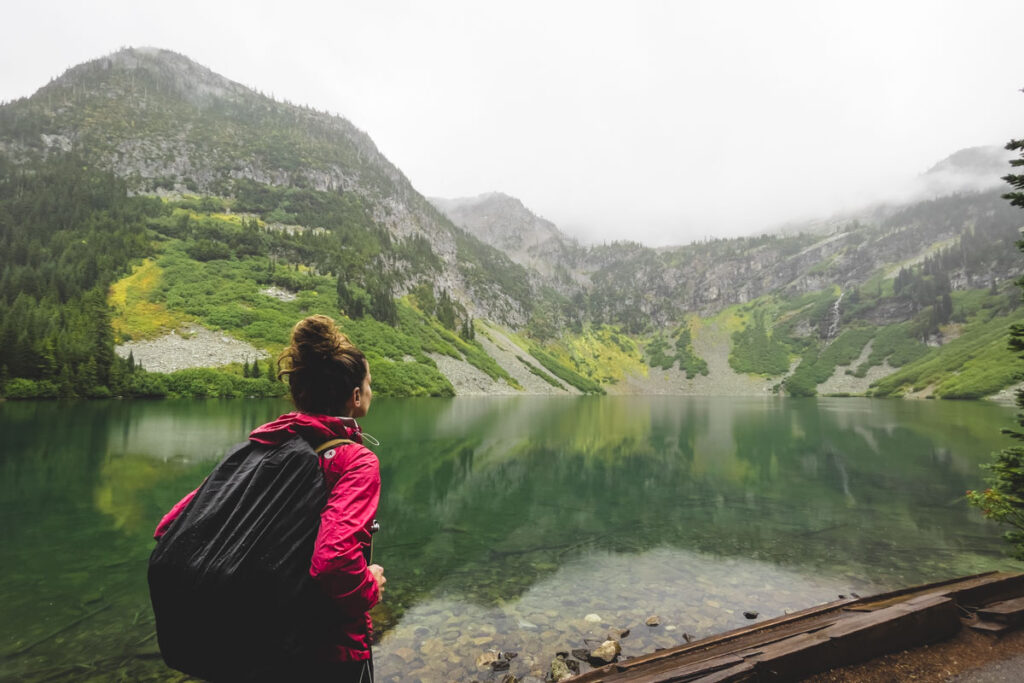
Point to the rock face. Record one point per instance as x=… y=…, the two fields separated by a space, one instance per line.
x=504 y=223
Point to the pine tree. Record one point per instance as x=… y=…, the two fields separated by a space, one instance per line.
x=255 y=372
x=1003 y=500
x=245 y=369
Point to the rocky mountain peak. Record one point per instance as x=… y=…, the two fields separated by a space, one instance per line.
x=505 y=223
x=501 y=220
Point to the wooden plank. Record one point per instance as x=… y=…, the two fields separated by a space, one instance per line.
x=818 y=638
x=981 y=583
x=1005 y=586
x=745 y=637
x=741 y=673
x=690 y=672
x=988 y=626
x=861 y=636
x=793 y=658
x=1007 y=611
x=658 y=663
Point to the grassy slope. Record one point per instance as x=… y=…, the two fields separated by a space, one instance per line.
x=975 y=365
x=162 y=293
x=136 y=314
x=225 y=294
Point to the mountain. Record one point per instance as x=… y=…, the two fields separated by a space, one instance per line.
x=504 y=223
x=145 y=200
x=167 y=125
x=634 y=283
x=971 y=168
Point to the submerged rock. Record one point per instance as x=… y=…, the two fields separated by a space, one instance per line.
x=592 y=619
x=652 y=620
x=751 y=614
x=618 y=633
x=486 y=659
x=560 y=670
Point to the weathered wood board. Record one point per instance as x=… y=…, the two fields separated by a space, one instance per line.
x=835 y=634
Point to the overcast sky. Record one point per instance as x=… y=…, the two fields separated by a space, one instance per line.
x=658 y=121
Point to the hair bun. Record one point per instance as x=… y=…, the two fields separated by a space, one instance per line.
x=322 y=364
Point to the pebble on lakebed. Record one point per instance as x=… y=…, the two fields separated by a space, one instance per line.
x=605 y=653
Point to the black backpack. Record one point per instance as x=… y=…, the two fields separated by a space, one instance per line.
x=229 y=580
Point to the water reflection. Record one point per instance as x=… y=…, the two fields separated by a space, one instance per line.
x=506 y=521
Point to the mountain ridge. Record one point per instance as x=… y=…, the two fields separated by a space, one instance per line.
x=232 y=187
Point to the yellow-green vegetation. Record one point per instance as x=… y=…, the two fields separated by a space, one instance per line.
x=603 y=354
x=135 y=314
x=588 y=359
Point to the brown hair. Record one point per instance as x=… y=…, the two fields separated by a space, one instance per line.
x=323 y=366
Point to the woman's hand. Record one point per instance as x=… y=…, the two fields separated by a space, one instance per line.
x=378 y=576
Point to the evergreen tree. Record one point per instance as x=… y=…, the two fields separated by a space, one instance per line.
x=255 y=371
x=1003 y=501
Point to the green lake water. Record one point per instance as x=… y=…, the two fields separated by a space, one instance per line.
x=528 y=524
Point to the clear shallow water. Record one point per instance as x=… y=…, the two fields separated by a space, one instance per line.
x=507 y=521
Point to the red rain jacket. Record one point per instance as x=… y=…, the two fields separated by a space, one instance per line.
x=338 y=564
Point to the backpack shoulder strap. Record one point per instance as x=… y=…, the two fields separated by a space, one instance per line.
x=331 y=444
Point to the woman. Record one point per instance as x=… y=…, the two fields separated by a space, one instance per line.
x=329 y=379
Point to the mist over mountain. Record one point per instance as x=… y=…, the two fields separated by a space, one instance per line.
x=200 y=201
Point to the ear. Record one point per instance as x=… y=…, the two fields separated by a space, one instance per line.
x=352 y=402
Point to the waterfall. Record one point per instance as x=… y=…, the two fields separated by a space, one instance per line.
x=833 y=327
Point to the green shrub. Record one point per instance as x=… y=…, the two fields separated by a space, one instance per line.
x=587 y=386
x=19 y=389
x=540 y=373
x=754 y=352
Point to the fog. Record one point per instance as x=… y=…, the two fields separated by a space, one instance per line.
x=662 y=122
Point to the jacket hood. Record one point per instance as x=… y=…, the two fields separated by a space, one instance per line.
x=314 y=428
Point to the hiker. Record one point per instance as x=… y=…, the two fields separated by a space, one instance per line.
x=329 y=380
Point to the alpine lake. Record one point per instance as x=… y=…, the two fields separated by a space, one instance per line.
x=511 y=524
